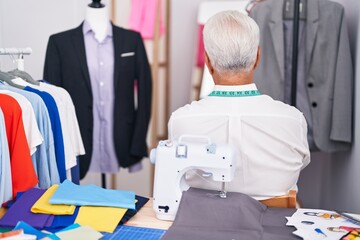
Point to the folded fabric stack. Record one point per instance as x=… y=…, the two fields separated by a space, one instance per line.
x=62 y=206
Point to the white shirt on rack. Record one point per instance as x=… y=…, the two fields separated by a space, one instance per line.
x=73 y=145
x=32 y=132
x=271 y=138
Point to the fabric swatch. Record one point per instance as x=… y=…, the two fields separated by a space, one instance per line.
x=92 y=195
x=43 y=206
x=103 y=219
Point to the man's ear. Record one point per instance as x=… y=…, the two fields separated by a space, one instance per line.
x=257 y=58
x=208 y=64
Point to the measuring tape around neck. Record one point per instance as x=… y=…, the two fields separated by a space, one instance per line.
x=247 y=93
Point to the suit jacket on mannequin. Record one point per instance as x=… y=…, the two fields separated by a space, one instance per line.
x=329 y=77
x=66 y=66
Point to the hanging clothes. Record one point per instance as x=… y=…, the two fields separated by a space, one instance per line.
x=22 y=170
x=5 y=169
x=143 y=17
x=328 y=84
x=32 y=132
x=44 y=158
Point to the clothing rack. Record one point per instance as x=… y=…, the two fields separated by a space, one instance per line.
x=294 y=65
x=20 y=52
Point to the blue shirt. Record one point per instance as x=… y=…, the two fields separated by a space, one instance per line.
x=5 y=168
x=44 y=159
x=56 y=128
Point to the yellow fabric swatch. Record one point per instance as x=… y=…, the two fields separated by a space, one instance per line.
x=42 y=205
x=102 y=219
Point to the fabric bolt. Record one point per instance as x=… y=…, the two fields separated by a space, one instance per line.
x=143 y=17
x=92 y=195
x=102 y=219
x=5 y=167
x=82 y=232
x=43 y=206
x=20 y=211
x=44 y=159
x=100 y=61
x=32 y=132
x=73 y=145
x=22 y=171
x=202 y=214
x=262 y=170
x=56 y=129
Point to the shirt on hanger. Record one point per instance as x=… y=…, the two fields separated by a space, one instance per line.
x=44 y=157
x=143 y=17
x=73 y=143
x=56 y=128
x=32 y=132
x=22 y=170
x=5 y=169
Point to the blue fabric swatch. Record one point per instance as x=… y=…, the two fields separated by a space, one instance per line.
x=91 y=195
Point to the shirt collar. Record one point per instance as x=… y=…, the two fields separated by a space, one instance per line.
x=245 y=87
x=87 y=29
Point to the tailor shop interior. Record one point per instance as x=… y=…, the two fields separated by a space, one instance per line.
x=179 y=119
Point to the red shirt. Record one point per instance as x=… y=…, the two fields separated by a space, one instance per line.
x=22 y=170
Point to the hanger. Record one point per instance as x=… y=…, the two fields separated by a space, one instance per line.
x=96 y=4
x=251 y=5
x=6 y=77
x=24 y=75
x=288 y=9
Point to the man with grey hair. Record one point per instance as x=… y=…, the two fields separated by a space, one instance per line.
x=270 y=136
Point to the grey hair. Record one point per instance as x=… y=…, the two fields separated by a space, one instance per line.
x=231 y=40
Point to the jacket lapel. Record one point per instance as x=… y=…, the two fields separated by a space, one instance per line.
x=79 y=46
x=118 y=48
x=311 y=29
x=277 y=34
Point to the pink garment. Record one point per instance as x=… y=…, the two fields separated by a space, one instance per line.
x=142 y=17
x=200 y=58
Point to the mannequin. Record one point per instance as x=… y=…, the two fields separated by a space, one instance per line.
x=97 y=15
x=99 y=63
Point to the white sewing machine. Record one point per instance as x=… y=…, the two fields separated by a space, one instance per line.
x=174 y=158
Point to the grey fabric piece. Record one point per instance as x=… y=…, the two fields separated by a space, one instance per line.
x=202 y=214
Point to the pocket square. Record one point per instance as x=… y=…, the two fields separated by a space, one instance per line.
x=128 y=54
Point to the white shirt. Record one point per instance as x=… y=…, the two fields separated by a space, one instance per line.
x=32 y=132
x=270 y=136
x=73 y=145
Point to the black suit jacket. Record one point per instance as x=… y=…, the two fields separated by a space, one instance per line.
x=66 y=66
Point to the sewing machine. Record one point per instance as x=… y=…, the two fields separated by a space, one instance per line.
x=173 y=159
